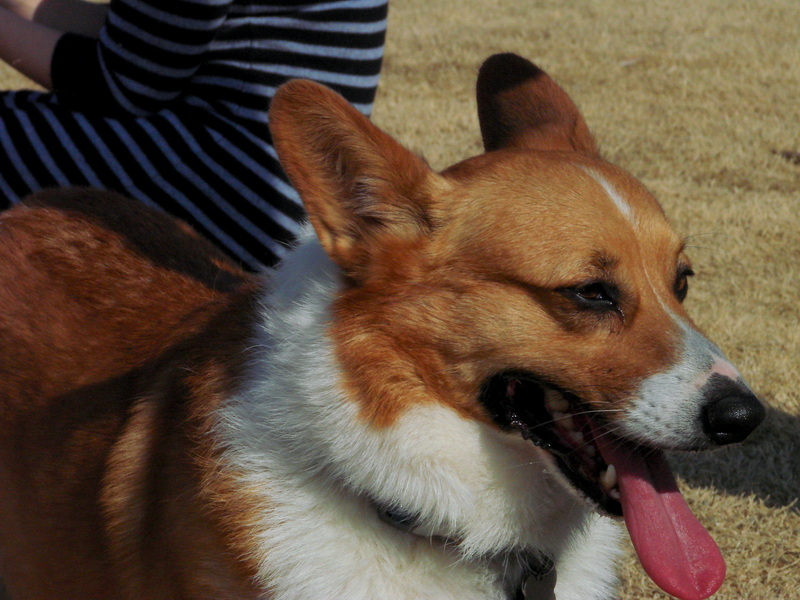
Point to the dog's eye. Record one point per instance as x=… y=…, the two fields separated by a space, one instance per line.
x=594 y=295
x=681 y=287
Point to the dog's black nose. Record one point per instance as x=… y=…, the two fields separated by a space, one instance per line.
x=732 y=418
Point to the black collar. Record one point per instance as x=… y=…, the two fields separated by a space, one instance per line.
x=538 y=581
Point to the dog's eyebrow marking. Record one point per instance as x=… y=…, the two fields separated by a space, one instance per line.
x=619 y=201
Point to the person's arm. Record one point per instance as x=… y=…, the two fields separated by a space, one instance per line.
x=21 y=8
x=75 y=16
x=145 y=57
x=28 y=46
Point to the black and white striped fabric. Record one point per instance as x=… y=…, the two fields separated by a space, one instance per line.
x=170 y=106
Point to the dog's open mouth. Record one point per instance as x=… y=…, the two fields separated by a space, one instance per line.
x=556 y=421
x=620 y=477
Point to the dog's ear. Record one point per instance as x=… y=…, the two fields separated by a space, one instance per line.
x=357 y=183
x=520 y=106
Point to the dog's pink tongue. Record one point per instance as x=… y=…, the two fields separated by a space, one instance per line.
x=674 y=548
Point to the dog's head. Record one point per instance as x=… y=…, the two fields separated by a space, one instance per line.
x=535 y=289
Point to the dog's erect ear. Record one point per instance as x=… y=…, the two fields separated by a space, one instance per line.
x=520 y=106
x=357 y=183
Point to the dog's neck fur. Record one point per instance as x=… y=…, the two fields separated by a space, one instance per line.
x=293 y=421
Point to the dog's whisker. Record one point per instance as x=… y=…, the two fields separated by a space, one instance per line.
x=569 y=415
x=694 y=235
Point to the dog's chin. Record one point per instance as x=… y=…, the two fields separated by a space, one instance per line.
x=559 y=423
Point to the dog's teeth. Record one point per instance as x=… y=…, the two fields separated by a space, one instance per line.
x=608 y=479
x=555 y=401
x=577 y=437
x=564 y=420
x=590 y=450
x=614 y=494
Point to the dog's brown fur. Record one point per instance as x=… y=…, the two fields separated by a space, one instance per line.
x=99 y=304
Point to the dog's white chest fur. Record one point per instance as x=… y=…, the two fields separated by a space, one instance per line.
x=322 y=471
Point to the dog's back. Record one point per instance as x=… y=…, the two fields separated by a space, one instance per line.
x=97 y=293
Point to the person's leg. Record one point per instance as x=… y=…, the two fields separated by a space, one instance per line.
x=219 y=173
x=35 y=153
x=194 y=166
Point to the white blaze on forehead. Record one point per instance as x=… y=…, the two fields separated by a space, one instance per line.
x=626 y=210
x=612 y=192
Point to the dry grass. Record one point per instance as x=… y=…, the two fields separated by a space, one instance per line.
x=697 y=98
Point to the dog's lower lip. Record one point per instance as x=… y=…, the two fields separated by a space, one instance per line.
x=556 y=421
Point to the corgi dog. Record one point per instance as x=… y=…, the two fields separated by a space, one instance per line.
x=454 y=387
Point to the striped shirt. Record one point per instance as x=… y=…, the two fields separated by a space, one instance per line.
x=170 y=106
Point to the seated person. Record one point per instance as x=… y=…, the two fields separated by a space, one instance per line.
x=167 y=102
